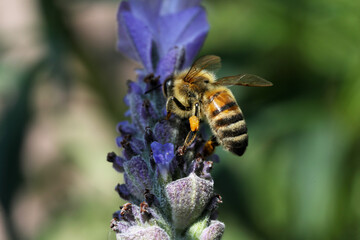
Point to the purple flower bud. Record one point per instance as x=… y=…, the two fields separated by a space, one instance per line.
x=147 y=113
x=111 y=157
x=132 y=146
x=133 y=189
x=164 y=132
x=149 y=136
x=188 y=198
x=123 y=191
x=149 y=197
x=206 y=170
x=137 y=232
x=117 y=161
x=119 y=226
x=128 y=152
x=118 y=164
x=213 y=206
x=137 y=171
x=117 y=215
x=126 y=212
x=214 y=231
x=152 y=82
x=125 y=128
x=197 y=166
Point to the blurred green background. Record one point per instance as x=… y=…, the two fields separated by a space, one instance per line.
x=61 y=95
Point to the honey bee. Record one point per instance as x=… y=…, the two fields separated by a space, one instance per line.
x=196 y=94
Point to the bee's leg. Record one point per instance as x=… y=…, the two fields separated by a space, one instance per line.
x=210 y=145
x=169 y=105
x=189 y=139
x=194 y=126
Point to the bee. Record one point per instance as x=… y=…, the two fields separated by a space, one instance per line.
x=196 y=94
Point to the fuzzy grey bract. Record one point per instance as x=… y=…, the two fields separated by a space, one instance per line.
x=170 y=194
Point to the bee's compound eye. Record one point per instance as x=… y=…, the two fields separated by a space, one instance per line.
x=206 y=81
x=168 y=85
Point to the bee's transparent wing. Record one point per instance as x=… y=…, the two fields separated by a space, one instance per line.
x=208 y=62
x=244 y=80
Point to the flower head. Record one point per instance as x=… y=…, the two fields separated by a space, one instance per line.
x=170 y=192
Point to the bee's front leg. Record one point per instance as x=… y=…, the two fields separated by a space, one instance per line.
x=171 y=102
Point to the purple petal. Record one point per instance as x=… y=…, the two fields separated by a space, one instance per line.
x=197 y=23
x=192 y=48
x=126 y=101
x=168 y=63
x=171 y=28
x=169 y=7
x=135 y=38
x=145 y=10
x=163 y=153
x=124 y=43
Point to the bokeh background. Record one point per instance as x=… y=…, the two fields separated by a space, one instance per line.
x=62 y=85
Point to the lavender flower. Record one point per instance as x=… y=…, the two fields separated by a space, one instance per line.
x=171 y=194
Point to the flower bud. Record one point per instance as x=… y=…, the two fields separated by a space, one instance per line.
x=188 y=198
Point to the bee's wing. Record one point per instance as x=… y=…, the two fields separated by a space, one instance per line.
x=244 y=80
x=208 y=62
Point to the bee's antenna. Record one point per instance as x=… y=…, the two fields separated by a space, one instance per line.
x=152 y=89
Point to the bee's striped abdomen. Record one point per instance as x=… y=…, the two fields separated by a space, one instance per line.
x=227 y=121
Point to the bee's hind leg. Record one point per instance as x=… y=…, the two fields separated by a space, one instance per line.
x=210 y=145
